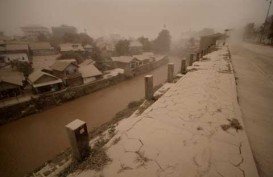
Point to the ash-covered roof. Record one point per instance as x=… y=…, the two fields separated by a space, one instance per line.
x=61 y=65
x=11 y=76
x=123 y=59
x=40 y=46
x=89 y=71
x=14 y=47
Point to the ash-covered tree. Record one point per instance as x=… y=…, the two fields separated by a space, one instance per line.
x=270 y=29
x=24 y=67
x=85 y=39
x=122 y=47
x=162 y=43
x=249 y=31
x=147 y=45
x=102 y=63
x=42 y=37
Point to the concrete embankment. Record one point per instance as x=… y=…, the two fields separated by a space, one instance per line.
x=194 y=129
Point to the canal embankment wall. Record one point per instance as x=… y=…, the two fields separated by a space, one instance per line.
x=42 y=102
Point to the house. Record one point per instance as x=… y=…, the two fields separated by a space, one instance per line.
x=18 y=51
x=107 y=48
x=68 y=71
x=128 y=63
x=135 y=47
x=43 y=62
x=32 y=32
x=9 y=57
x=60 y=31
x=42 y=48
x=42 y=82
x=143 y=59
x=71 y=47
x=11 y=83
x=88 y=48
x=17 y=48
x=89 y=73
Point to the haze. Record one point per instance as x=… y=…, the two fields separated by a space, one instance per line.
x=130 y=17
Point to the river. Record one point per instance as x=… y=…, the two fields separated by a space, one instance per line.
x=29 y=142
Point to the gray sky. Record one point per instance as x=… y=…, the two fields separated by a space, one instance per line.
x=130 y=17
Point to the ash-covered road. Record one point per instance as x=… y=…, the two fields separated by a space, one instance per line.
x=253 y=66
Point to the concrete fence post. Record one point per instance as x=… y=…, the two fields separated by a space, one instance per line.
x=149 y=87
x=183 y=67
x=78 y=138
x=191 y=59
x=197 y=56
x=170 y=72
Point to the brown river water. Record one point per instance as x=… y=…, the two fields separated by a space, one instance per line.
x=31 y=141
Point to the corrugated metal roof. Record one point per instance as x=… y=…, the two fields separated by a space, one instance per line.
x=123 y=59
x=13 y=77
x=89 y=71
x=142 y=57
x=40 y=46
x=12 y=47
x=61 y=65
x=33 y=77
x=87 y=62
x=36 y=75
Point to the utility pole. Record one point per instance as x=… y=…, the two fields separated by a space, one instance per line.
x=263 y=30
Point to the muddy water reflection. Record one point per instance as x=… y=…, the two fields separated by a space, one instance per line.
x=27 y=143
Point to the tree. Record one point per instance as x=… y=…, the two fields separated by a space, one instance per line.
x=85 y=39
x=249 y=31
x=162 y=43
x=147 y=45
x=206 y=31
x=191 y=41
x=24 y=67
x=42 y=37
x=122 y=47
x=70 y=37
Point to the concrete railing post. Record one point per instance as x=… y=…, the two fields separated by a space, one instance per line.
x=197 y=56
x=149 y=87
x=183 y=67
x=78 y=138
x=191 y=59
x=170 y=72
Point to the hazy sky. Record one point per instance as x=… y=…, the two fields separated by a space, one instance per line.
x=130 y=17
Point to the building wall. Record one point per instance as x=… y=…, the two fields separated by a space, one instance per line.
x=11 y=57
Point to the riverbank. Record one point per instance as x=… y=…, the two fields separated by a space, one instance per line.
x=43 y=102
x=194 y=129
x=62 y=164
x=29 y=142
